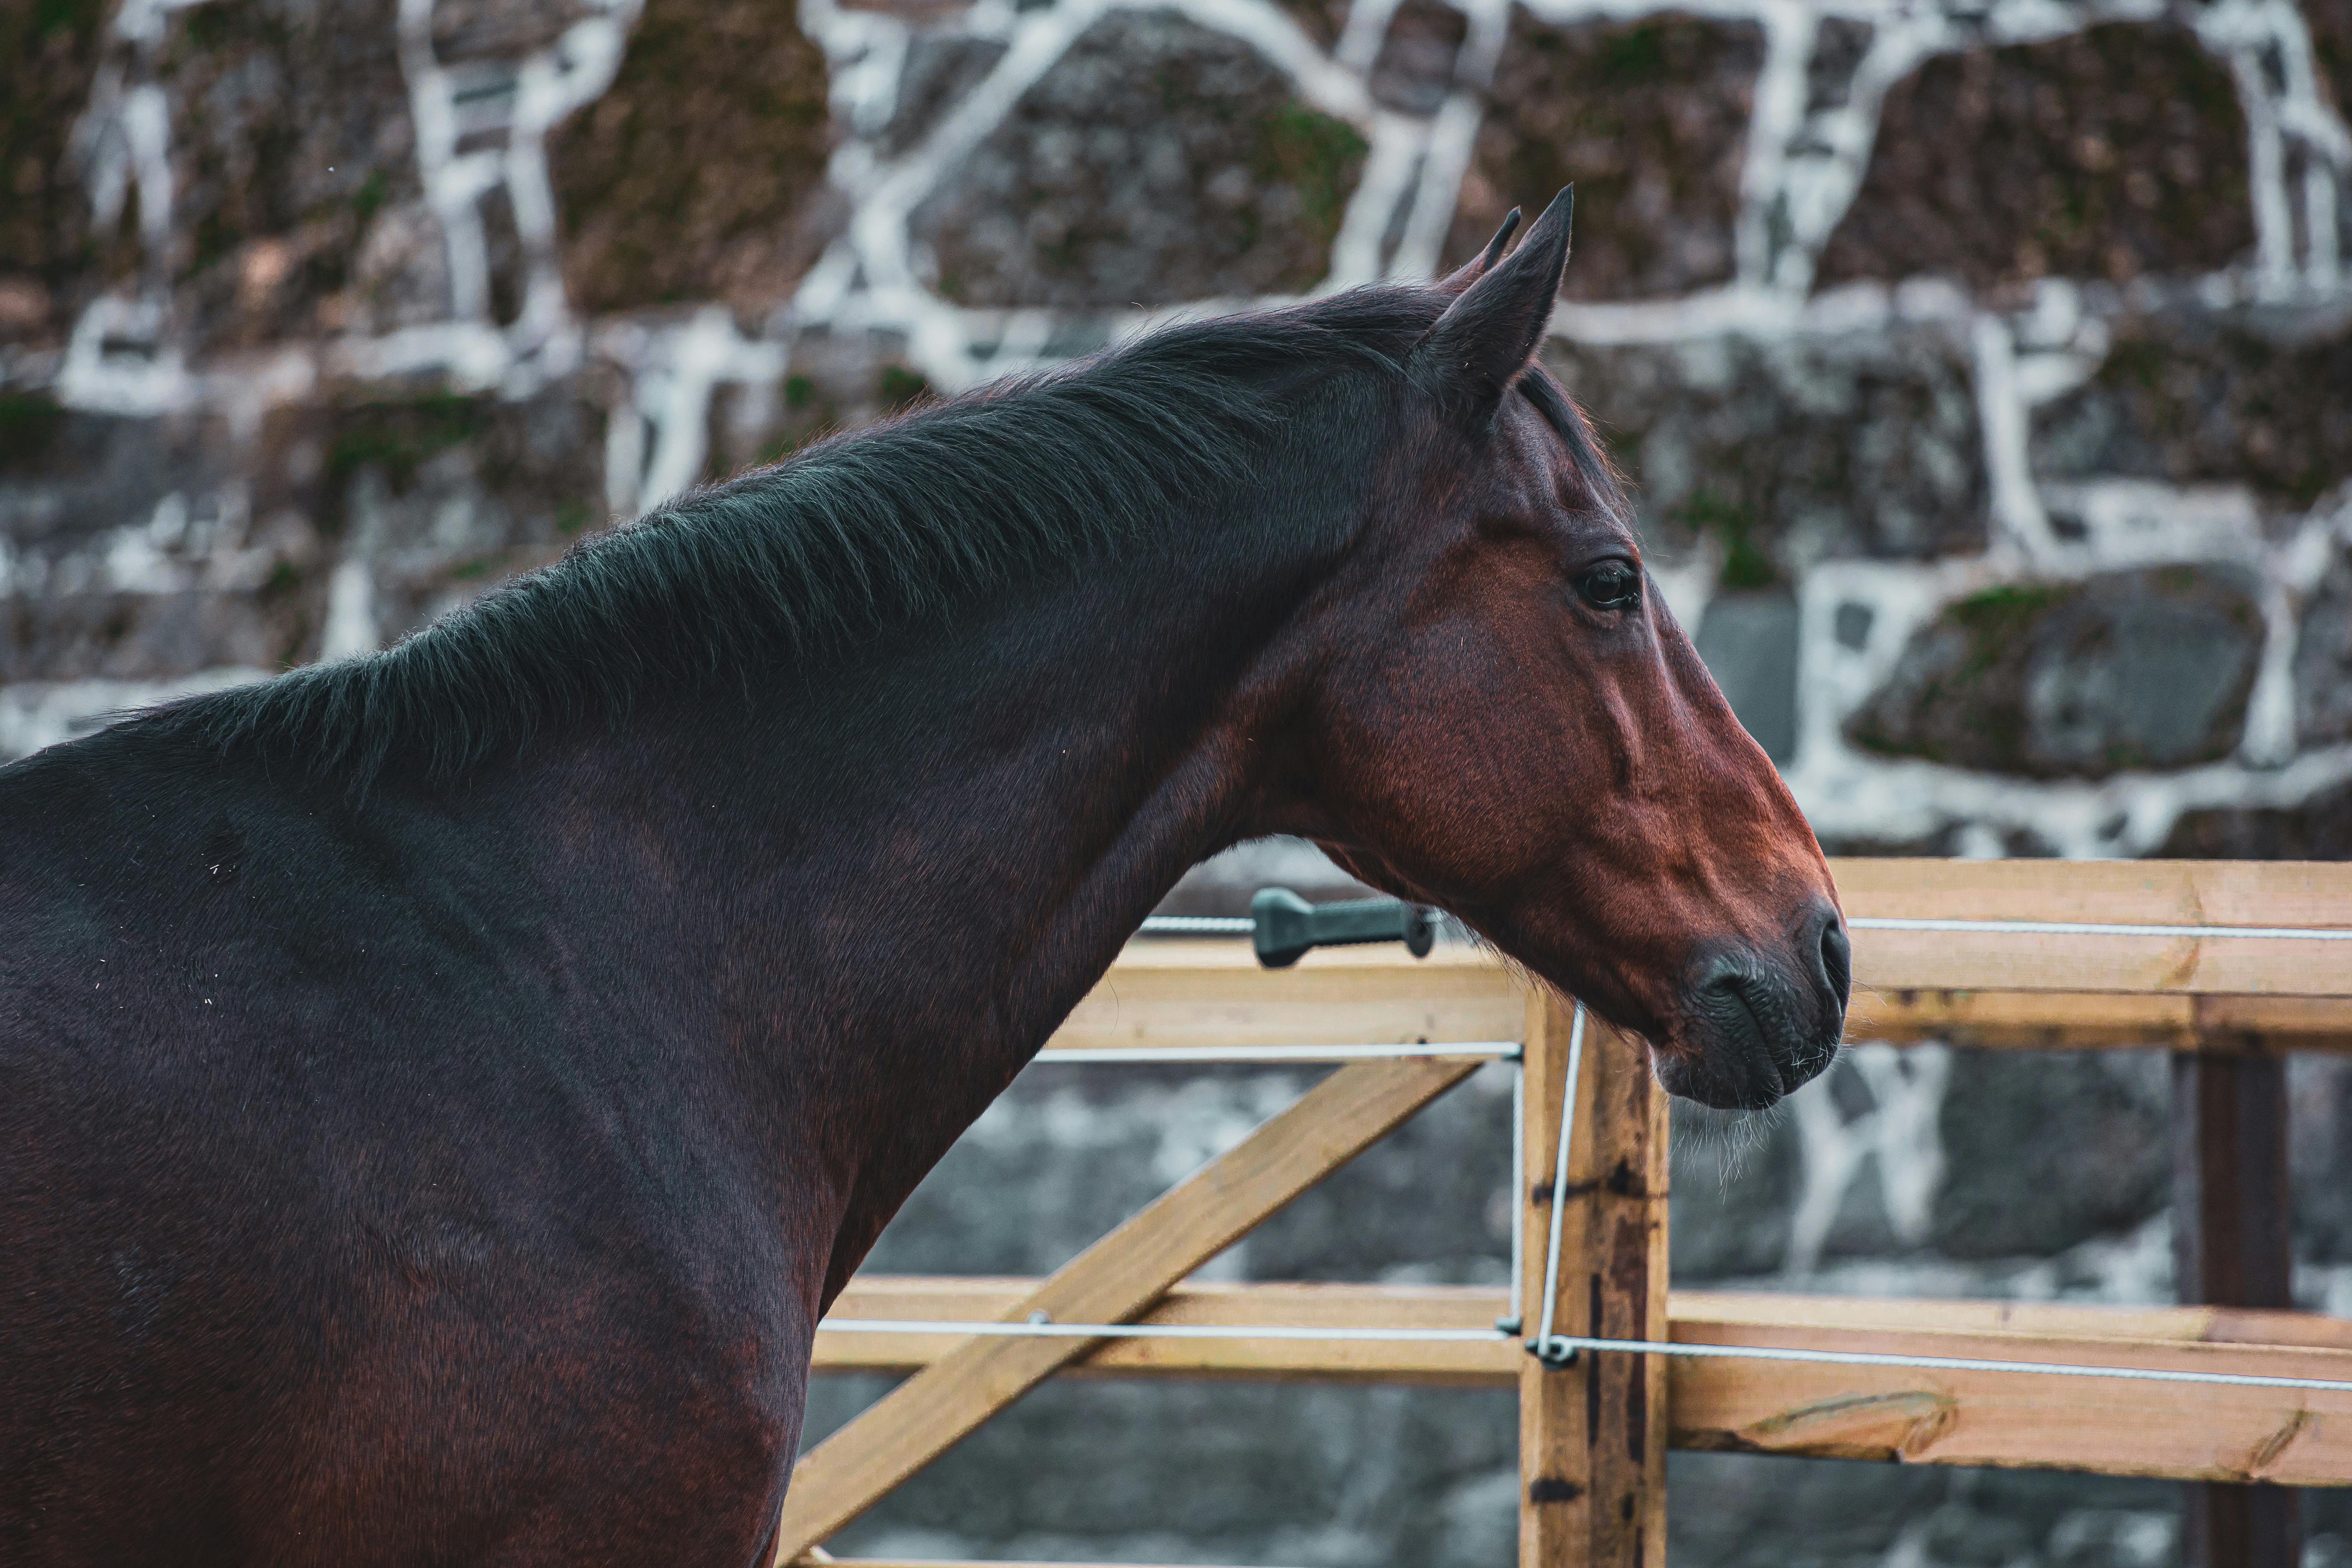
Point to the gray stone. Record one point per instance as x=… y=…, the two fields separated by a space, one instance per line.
x=1750 y=644
x=1157 y=162
x=1648 y=117
x=2133 y=669
x=1776 y=455
x=1735 y=1180
x=2195 y=396
x=2048 y=1150
x=1416 y=68
x=2109 y=152
x=940 y=70
x=699 y=173
x=2319 y=829
x=289 y=131
x=2323 y=661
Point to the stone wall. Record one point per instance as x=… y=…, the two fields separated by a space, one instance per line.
x=1983 y=365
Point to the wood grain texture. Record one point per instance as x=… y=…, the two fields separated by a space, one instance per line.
x=1206 y=993
x=1996 y=989
x=1592 y=1435
x=1118 y=1277
x=2072 y=1021
x=2122 y=892
x=980 y=1299
x=1490 y=1363
x=2000 y=1419
x=2020 y=1420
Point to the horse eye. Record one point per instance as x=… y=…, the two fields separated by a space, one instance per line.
x=1611 y=585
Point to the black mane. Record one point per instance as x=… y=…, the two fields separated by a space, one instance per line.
x=848 y=536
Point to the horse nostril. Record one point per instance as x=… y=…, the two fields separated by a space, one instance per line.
x=1837 y=957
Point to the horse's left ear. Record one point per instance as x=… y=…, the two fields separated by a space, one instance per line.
x=1469 y=359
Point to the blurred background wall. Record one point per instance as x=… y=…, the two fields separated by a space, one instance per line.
x=1985 y=370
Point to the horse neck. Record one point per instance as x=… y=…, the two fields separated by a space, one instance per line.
x=904 y=869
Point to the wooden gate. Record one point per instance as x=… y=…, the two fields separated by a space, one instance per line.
x=1593 y=1434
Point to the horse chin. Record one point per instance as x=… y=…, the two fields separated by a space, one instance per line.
x=1727 y=1061
x=1739 y=1083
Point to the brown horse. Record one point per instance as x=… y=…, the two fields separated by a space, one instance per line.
x=440 y=1092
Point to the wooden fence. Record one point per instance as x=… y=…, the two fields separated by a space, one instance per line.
x=1593 y=1435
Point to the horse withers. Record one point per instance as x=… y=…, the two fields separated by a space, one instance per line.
x=441 y=1092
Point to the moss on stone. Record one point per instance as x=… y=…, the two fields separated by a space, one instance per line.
x=1157 y=162
x=2192 y=398
x=397 y=436
x=1314 y=155
x=2112 y=152
x=2129 y=670
x=700 y=172
x=1648 y=120
x=900 y=388
x=29 y=423
x=1731 y=525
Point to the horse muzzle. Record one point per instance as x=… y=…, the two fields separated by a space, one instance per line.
x=1759 y=1021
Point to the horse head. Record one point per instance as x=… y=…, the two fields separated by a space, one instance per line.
x=1506 y=722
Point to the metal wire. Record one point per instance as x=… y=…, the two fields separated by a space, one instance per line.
x=1546 y=1345
x=2090 y=928
x=1955 y=1363
x=1569 y=1342
x=1559 y=1349
x=1510 y=1322
x=1241 y=925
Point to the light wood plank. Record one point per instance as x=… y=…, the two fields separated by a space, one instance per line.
x=2020 y=1420
x=1118 y=1277
x=1212 y=993
x=1195 y=992
x=981 y=1299
x=1488 y=1363
x=2122 y=892
x=2068 y=1021
x=1592 y=1435
x=948 y=1563
x=1710 y=1313
x=2117 y=892
x=1965 y=1418
x=1218 y=997
x=2180 y=967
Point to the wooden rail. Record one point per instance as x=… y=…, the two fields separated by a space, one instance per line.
x=1593 y=1434
x=2183 y=1431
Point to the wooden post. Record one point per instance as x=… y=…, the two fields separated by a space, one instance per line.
x=1593 y=1435
x=2231 y=1248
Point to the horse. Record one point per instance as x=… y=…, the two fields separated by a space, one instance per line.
x=441 y=1092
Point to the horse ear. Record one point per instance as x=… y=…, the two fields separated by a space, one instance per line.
x=1470 y=271
x=1486 y=337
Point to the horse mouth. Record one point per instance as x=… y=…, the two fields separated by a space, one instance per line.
x=1746 y=1045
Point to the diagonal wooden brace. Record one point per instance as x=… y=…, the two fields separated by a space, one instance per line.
x=1111 y=1281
